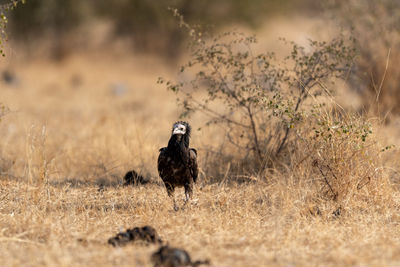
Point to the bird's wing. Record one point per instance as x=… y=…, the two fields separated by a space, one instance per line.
x=162 y=162
x=194 y=170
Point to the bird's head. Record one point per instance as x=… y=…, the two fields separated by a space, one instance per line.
x=181 y=128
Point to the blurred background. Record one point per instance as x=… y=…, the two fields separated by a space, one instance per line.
x=148 y=26
x=85 y=72
x=57 y=30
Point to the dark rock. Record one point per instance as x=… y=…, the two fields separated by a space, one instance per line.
x=146 y=234
x=167 y=256
x=9 y=77
x=133 y=178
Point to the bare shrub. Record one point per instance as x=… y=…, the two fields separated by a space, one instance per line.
x=338 y=157
x=255 y=99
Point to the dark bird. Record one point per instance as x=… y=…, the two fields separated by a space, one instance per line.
x=177 y=163
x=174 y=257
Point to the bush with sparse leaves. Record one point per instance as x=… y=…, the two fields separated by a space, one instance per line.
x=257 y=99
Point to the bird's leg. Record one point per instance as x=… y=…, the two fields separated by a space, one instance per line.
x=188 y=192
x=186 y=198
x=170 y=191
x=176 y=208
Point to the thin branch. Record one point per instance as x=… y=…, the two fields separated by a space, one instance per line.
x=327 y=182
x=384 y=75
x=254 y=129
x=213 y=113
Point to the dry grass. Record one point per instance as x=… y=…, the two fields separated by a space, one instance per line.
x=253 y=225
x=85 y=123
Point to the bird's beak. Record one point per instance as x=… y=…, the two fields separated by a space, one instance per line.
x=178 y=131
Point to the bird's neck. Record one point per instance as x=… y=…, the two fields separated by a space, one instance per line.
x=178 y=146
x=178 y=142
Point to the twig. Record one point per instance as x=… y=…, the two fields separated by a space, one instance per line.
x=384 y=75
x=326 y=180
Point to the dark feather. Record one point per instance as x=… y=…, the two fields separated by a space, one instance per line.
x=194 y=170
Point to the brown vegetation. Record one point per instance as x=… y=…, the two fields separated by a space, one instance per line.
x=70 y=131
x=67 y=139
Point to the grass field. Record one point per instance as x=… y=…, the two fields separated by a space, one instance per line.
x=75 y=128
x=253 y=225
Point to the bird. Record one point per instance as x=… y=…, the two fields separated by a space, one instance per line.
x=177 y=163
